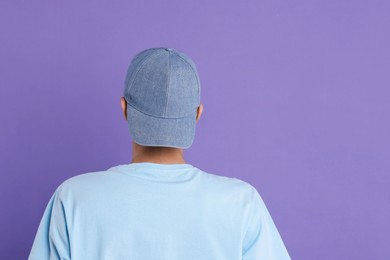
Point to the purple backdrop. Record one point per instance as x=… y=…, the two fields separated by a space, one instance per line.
x=296 y=102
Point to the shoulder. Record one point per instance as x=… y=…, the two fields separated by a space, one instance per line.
x=230 y=181
x=232 y=185
x=81 y=182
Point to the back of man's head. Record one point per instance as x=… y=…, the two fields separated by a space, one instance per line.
x=162 y=94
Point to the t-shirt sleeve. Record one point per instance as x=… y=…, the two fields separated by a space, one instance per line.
x=52 y=240
x=262 y=240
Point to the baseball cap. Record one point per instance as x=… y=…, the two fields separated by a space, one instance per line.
x=162 y=90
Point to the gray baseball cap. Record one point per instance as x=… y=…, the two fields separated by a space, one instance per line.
x=162 y=90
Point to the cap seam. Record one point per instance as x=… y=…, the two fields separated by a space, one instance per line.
x=195 y=74
x=171 y=145
x=127 y=79
x=169 y=78
x=140 y=67
x=129 y=104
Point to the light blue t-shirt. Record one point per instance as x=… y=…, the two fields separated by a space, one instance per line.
x=150 y=211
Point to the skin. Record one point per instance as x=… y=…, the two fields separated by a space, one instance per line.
x=157 y=154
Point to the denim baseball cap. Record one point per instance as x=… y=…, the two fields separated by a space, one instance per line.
x=162 y=90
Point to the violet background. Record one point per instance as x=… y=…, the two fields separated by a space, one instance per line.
x=296 y=99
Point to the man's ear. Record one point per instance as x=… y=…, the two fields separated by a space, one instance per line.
x=200 y=111
x=124 y=106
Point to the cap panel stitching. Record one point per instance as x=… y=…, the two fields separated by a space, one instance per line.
x=127 y=79
x=135 y=58
x=141 y=65
x=158 y=116
x=169 y=79
x=195 y=74
x=169 y=69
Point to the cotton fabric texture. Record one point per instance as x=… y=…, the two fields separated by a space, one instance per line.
x=149 y=211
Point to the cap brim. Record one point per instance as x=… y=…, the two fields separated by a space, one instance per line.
x=148 y=130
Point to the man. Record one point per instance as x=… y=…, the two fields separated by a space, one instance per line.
x=158 y=206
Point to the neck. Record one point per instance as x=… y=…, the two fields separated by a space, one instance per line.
x=157 y=154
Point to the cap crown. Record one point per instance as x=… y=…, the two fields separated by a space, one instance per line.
x=162 y=82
